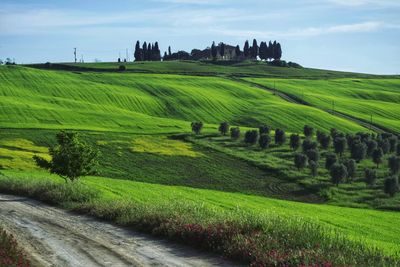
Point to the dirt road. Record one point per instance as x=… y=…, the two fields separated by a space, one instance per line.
x=54 y=237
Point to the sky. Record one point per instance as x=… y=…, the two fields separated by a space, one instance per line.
x=348 y=35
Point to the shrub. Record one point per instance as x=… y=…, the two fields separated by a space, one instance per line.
x=235 y=133
x=295 y=141
x=10 y=253
x=371 y=146
x=330 y=160
x=264 y=129
x=338 y=173
x=393 y=141
x=70 y=158
x=358 y=151
x=339 y=145
x=351 y=167
x=394 y=165
x=308 y=131
x=280 y=137
x=197 y=126
x=264 y=141
x=300 y=161
x=223 y=128
x=122 y=68
x=313 y=167
x=313 y=155
x=370 y=176
x=377 y=156
x=308 y=145
x=251 y=137
x=391 y=186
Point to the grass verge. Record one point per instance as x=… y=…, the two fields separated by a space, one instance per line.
x=11 y=254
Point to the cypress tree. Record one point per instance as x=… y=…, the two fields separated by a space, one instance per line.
x=214 y=51
x=246 y=49
x=222 y=50
x=169 y=51
x=270 y=50
x=237 y=51
x=278 y=52
x=144 y=51
x=149 y=51
x=138 y=52
x=157 y=55
x=254 y=50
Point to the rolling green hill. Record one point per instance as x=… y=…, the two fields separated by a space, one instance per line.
x=145 y=103
x=359 y=98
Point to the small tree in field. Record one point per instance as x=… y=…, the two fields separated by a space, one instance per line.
x=330 y=160
x=313 y=167
x=308 y=131
x=280 y=137
x=313 y=154
x=264 y=141
x=70 y=158
x=340 y=145
x=223 y=128
x=370 y=176
x=295 y=141
x=338 y=173
x=251 y=137
x=300 y=161
x=235 y=133
x=197 y=126
x=351 y=166
x=264 y=129
x=391 y=186
x=377 y=156
x=394 y=164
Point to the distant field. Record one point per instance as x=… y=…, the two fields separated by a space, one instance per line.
x=145 y=103
x=247 y=68
x=359 y=98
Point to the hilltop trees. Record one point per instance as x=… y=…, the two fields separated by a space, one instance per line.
x=254 y=50
x=214 y=51
x=246 y=50
x=71 y=158
x=148 y=52
x=197 y=126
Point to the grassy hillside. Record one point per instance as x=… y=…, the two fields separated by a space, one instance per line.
x=359 y=98
x=207 y=68
x=144 y=103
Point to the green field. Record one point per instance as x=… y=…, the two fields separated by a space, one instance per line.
x=140 y=121
x=144 y=103
x=360 y=98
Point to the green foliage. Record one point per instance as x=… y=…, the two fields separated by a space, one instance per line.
x=223 y=128
x=295 y=141
x=339 y=143
x=300 y=161
x=370 y=176
x=394 y=165
x=264 y=129
x=280 y=137
x=377 y=156
x=70 y=158
x=309 y=144
x=235 y=133
x=391 y=186
x=313 y=155
x=331 y=159
x=351 y=167
x=264 y=141
x=338 y=173
x=251 y=137
x=313 y=167
x=358 y=151
x=308 y=131
x=197 y=126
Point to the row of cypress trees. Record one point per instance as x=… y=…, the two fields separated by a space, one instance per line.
x=147 y=52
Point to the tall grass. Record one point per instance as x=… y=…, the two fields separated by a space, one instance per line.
x=265 y=239
x=11 y=255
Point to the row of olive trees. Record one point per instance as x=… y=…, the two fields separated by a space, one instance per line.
x=359 y=146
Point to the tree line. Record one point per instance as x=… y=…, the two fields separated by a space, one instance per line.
x=341 y=168
x=264 y=51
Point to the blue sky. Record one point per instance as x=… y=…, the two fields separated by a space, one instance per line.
x=351 y=35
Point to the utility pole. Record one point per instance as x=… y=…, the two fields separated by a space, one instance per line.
x=75 y=53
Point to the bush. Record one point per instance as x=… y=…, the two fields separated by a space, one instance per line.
x=300 y=161
x=122 y=68
x=313 y=155
x=351 y=167
x=10 y=252
x=197 y=126
x=223 y=128
x=280 y=137
x=330 y=160
x=235 y=133
x=371 y=146
x=394 y=164
x=251 y=137
x=264 y=129
x=308 y=145
x=391 y=186
x=370 y=176
x=71 y=158
x=339 y=144
x=295 y=141
x=377 y=156
x=308 y=131
x=313 y=167
x=338 y=173
x=264 y=141
x=358 y=151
